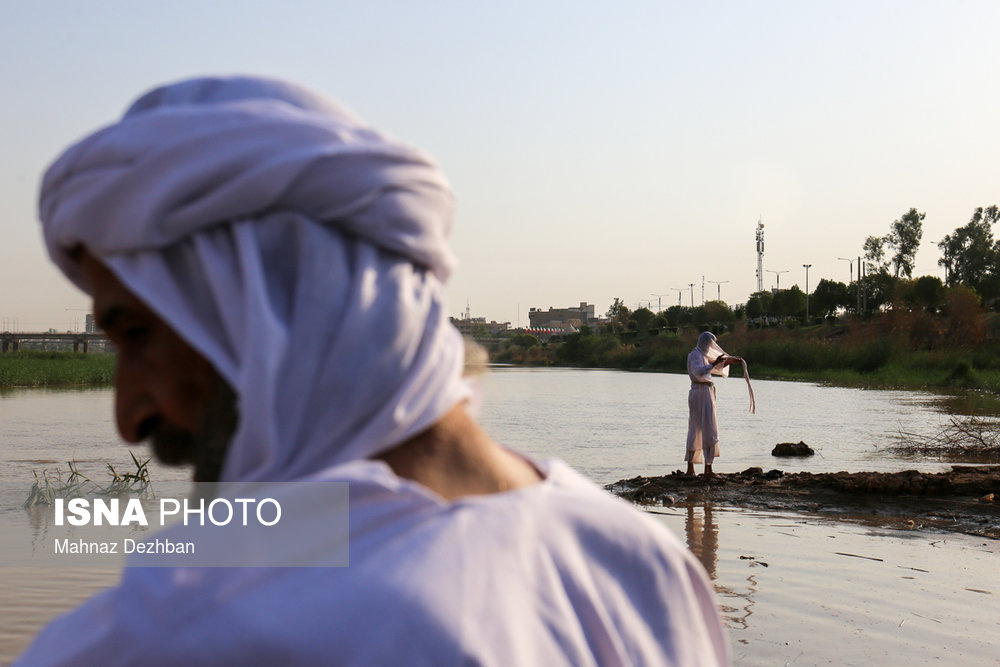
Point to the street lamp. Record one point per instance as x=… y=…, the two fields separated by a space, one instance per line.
x=806 y=267
x=718 y=287
x=659 y=305
x=680 y=291
x=851 y=269
x=691 y=286
x=777 y=277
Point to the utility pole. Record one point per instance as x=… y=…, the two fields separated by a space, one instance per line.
x=851 y=269
x=718 y=285
x=760 y=255
x=691 y=287
x=806 y=267
x=680 y=291
x=703 y=290
x=659 y=305
x=861 y=281
x=778 y=278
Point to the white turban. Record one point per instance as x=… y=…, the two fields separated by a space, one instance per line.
x=300 y=251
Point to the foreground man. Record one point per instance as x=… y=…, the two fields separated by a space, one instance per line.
x=272 y=273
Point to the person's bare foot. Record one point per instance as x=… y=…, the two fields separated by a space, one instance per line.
x=690 y=470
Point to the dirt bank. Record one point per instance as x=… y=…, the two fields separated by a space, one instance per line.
x=957 y=500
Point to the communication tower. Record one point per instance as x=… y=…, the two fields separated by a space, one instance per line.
x=760 y=255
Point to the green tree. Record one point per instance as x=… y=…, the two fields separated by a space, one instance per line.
x=578 y=347
x=759 y=304
x=618 y=314
x=790 y=302
x=616 y=309
x=525 y=340
x=970 y=255
x=642 y=317
x=875 y=253
x=829 y=296
x=675 y=315
x=904 y=239
x=928 y=293
x=717 y=312
x=878 y=289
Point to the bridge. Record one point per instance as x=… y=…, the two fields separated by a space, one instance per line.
x=11 y=342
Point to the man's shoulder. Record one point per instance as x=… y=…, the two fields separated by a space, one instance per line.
x=599 y=513
x=563 y=513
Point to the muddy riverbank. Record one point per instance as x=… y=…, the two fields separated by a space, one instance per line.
x=964 y=499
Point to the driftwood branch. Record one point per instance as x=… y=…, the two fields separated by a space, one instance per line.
x=963 y=438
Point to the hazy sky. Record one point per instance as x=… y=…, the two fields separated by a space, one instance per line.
x=597 y=149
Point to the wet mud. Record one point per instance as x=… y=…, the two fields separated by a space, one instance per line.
x=965 y=499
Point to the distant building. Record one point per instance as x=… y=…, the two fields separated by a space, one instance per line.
x=479 y=325
x=565 y=319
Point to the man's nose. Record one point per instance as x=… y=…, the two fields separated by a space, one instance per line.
x=135 y=410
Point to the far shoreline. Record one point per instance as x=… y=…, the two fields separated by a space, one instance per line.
x=983 y=398
x=56 y=370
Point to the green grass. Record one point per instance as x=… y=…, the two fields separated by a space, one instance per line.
x=55 y=369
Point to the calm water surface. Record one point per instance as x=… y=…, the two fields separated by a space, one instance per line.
x=896 y=598
x=607 y=424
x=612 y=424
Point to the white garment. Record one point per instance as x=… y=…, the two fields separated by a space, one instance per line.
x=710 y=350
x=703 y=424
x=303 y=254
x=559 y=573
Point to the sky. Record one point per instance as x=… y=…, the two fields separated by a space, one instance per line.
x=597 y=150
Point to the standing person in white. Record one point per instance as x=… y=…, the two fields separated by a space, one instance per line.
x=704 y=361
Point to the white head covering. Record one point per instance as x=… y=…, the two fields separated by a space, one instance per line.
x=711 y=350
x=300 y=251
x=708 y=346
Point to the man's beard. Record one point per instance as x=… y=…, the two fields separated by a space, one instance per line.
x=206 y=448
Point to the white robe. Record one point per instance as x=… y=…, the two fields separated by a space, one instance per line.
x=703 y=424
x=559 y=573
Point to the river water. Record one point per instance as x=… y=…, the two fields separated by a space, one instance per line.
x=794 y=589
x=612 y=425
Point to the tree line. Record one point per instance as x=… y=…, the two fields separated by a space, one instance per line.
x=970 y=256
x=928 y=332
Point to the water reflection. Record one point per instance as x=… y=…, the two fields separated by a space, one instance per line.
x=702 y=533
x=703 y=536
